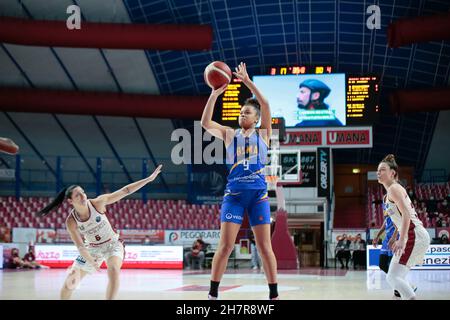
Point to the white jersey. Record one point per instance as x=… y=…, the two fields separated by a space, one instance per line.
x=96 y=230
x=417 y=238
x=392 y=211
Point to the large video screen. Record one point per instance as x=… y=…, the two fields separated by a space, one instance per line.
x=307 y=100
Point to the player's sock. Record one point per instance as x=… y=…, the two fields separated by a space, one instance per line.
x=273 y=288
x=396 y=279
x=214 y=289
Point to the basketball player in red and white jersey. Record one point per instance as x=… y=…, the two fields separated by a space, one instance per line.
x=88 y=220
x=413 y=241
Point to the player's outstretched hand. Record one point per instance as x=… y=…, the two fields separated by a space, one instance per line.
x=241 y=72
x=155 y=173
x=217 y=92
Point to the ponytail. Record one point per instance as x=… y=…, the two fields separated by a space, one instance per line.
x=56 y=203
x=390 y=161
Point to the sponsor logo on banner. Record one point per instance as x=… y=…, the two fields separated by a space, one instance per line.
x=349 y=137
x=303 y=138
x=443 y=232
x=62 y=256
x=324 y=172
x=187 y=237
x=436 y=257
x=173 y=237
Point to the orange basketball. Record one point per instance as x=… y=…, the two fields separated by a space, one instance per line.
x=217 y=74
x=8 y=146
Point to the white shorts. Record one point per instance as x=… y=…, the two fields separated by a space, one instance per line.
x=416 y=246
x=114 y=248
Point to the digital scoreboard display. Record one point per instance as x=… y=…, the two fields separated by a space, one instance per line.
x=229 y=104
x=362 y=99
x=300 y=70
x=352 y=104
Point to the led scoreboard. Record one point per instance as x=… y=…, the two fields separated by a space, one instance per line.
x=352 y=99
x=362 y=99
x=230 y=102
x=300 y=70
x=362 y=107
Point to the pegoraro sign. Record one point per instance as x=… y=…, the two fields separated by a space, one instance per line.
x=187 y=237
x=347 y=137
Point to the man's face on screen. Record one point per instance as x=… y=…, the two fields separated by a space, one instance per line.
x=303 y=97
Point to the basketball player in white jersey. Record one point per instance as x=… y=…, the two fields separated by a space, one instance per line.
x=87 y=219
x=413 y=241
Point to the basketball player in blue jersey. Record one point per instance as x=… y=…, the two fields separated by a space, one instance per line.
x=246 y=189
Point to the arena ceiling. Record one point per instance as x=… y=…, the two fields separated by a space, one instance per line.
x=262 y=33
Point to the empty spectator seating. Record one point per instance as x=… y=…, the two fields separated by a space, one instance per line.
x=125 y=214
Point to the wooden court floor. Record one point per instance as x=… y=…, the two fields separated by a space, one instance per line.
x=241 y=284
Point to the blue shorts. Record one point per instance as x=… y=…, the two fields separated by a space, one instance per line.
x=254 y=201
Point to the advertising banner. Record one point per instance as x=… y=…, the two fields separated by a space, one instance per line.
x=139 y=236
x=187 y=237
x=346 y=137
x=63 y=236
x=136 y=257
x=308 y=164
x=24 y=235
x=45 y=235
x=437 y=257
x=323 y=181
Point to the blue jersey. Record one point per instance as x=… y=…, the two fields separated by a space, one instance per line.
x=246 y=158
x=390 y=228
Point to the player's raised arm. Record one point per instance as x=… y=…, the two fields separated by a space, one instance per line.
x=266 y=117
x=110 y=198
x=214 y=128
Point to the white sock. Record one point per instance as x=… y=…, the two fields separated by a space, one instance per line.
x=396 y=278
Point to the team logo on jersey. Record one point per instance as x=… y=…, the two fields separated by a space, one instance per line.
x=98 y=218
x=81 y=228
